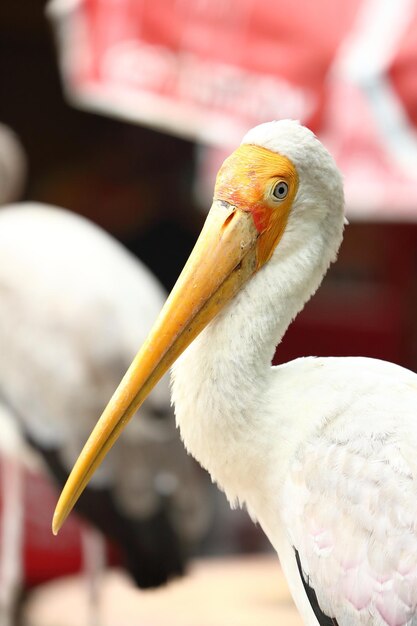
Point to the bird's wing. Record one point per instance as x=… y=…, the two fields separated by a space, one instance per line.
x=350 y=508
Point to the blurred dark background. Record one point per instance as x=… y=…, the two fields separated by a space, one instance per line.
x=134 y=182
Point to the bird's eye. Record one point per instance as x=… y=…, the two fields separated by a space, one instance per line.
x=280 y=190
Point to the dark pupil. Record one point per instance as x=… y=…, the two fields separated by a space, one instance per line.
x=280 y=190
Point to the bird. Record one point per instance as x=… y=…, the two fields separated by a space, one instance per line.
x=67 y=327
x=321 y=451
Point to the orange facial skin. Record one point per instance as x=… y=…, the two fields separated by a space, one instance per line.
x=247 y=179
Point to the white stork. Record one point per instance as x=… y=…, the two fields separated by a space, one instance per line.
x=67 y=325
x=322 y=451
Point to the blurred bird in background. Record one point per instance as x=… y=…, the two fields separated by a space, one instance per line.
x=68 y=325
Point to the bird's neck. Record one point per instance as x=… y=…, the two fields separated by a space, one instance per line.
x=221 y=383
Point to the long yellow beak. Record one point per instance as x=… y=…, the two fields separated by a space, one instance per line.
x=224 y=257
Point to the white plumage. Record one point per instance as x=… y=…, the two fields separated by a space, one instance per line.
x=68 y=326
x=322 y=451
x=352 y=486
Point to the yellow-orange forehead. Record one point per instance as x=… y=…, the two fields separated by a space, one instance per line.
x=247 y=179
x=248 y=173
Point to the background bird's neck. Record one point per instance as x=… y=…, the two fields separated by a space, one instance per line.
x=221 y=383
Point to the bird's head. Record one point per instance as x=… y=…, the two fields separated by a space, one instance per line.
x=277 y=191
x=290 y=184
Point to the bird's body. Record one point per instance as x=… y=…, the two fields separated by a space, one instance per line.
x=322 y=451
x=62 y=330
x=349 y=498
x=66 y=333
x=329 y=472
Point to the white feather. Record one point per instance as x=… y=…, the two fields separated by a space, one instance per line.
x=60 y=281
